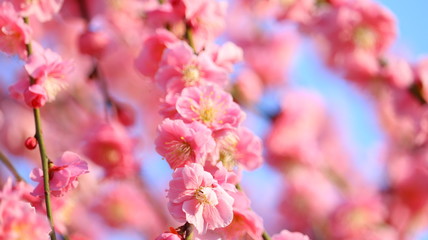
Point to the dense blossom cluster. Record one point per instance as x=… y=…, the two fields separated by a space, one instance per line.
x=105 y=84
x=202 y=138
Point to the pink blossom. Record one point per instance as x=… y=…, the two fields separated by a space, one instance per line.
x=300 y=11
x=62 y=176
x=359 y=65
x=249 y=87
x=225 y=55
x=153 y=47
x=358 y=216
x=246 y=223
x=249 y=149
x=360 y=27
x=34 y=95
x=18 y=220
x=286 y=235
x=14 y=33
x=167 y=13
x=360 y=24
x=259 y=52
x=93 y=43
x=196 y=197
x=181 y=68
x=320 y=199
x=408 y=173
x=211 y=106
x=180 y=143
x=44 y=10
x=169 y=236
x=397 y=72
x=110 y=147
x=405 y=119
x=239 y=148
x=48 y=73
x=295 y=132
x=17 y=191
x=123 y=205
x=206 y=19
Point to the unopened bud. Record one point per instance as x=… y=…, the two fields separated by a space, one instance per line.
x=125 y=114
x=31 y=143
x=93 y=43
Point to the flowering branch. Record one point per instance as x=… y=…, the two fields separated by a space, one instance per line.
x=189 y=39
x=9 y=166
x=108 y=100
x=43 y=155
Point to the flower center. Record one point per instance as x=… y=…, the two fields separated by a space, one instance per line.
x=206 y=195
x=227 y=158
x=365 y=37
x=207 y=114
x=228 y=151
x=52 y=87
x=191 y=75
x=184 y=149
x=179 y=150
x=112 y=155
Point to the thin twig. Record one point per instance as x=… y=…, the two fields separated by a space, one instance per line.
x=10 y=166
x=265 y=236
x=189 y=37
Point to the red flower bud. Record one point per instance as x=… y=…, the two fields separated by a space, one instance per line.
x=31 y=143
x=93 y=43
x=125 y=114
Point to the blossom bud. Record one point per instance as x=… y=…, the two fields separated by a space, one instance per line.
x=93 y=43
x=31 y=143
x=125 y=114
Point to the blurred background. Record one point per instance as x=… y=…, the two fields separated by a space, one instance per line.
x=352 y=112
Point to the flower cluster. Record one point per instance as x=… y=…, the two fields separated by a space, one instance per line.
x=202 y=137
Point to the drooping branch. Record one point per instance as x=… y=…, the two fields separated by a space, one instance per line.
x=43 y=154
x=10 y=166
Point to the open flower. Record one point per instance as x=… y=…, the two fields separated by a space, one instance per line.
x=239 y=148
x=180 y=143
x=18 y=220
x=286 y=235
x=147 y=62
x=181 y=68
x=48 y=72
x=196 y=197
x=210 y=105
x=62 y=176
x=110 y=147
x=14 y=33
